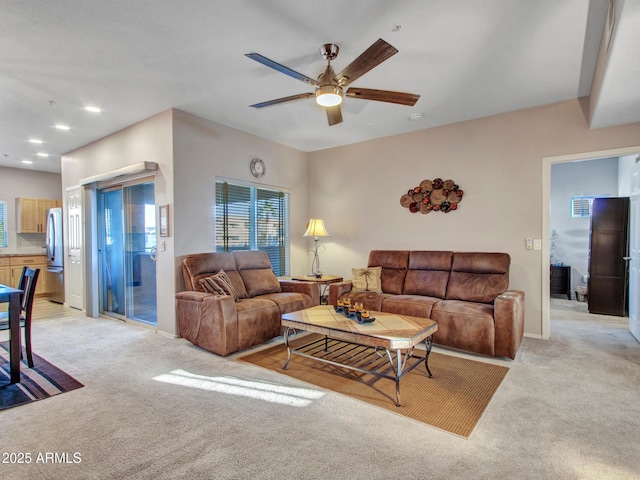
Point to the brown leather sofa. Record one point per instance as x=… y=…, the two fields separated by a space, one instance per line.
x=222 y=325
x=466 y=293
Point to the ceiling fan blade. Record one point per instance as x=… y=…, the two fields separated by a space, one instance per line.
x=334 y=115
x=283 y=99
x=373 y=56
x=383 y=96
x=281 y=68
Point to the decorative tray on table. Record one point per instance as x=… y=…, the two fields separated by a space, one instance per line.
x=353 y=314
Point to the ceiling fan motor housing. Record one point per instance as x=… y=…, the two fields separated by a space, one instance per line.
x=329 y=51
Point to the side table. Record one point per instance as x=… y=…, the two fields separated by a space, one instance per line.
x=560 y=282
x=323 y=282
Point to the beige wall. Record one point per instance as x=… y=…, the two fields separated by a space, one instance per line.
x=496 y=160
x=20 y=182
x=205 y=150
x=150 y=141
x=191 y=152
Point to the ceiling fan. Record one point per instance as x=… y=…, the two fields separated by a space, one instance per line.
x=331 y=88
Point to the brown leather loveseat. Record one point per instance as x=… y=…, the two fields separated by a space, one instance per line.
x=466 y=293
x=222 y=324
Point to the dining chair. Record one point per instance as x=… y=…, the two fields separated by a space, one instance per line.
x=28 y=282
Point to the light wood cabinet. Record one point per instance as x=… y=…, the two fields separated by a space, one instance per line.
x=31 y=214
x=5 y=271
x=5 y=275
x=31 y=261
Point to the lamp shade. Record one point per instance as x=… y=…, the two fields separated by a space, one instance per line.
x=316 y=228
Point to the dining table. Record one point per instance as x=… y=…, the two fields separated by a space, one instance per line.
x=13 y=296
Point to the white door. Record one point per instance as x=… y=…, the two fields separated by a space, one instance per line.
x=634 y=253
x=74 y=271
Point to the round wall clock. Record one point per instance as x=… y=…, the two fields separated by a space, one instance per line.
x=257 y=167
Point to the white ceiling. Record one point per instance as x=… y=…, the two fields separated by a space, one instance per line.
x=135 y=58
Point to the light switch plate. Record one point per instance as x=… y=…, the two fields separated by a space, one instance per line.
x=528 y=243
x=537 y=244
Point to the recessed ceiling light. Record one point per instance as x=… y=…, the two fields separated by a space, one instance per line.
x=28 y=162
x=35 y=140
x=415 y=116
x=62 y=127
x=41 y=154
x=92 y=109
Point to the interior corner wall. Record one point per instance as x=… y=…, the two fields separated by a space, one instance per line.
x=149 y=140
x=497 y=161
x=625 y=164
x=570 y=245
x=205 y=150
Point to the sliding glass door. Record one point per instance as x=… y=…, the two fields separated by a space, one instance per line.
x=127 y=240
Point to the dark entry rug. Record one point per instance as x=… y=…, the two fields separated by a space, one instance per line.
x=42 y=381
x=453 y=400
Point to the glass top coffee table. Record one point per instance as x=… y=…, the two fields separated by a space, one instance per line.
x=384 y=348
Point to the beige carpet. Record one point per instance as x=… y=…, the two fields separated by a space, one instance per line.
x=453 y=400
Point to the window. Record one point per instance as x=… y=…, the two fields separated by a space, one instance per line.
x=251 y=217
x=581 y=206
x=3 y=224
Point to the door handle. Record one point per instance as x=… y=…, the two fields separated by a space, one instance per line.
x=154 y=254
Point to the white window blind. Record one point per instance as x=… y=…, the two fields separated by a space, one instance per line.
x=581 y=206
x=3 y=224
x=251 y=217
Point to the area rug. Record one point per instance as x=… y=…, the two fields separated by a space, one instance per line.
x=453 y=400
x=42 y=381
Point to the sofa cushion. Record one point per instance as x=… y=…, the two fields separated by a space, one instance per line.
x=370 y=300
x=478 y=277
x=260 y=282
x=366 y=279
x=428 y=273
x=197 y=266
x=254 y=266
x=414 y=305
x=258 y=321
x=465 y=325
x=289 y=301
x=219 y=284
x=394 y=265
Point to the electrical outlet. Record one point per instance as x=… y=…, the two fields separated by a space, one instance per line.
x=529 y=243
x=537 y=244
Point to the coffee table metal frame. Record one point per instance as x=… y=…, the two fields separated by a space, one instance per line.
x=373 y=354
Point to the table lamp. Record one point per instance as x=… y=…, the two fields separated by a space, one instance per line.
x=315 y=229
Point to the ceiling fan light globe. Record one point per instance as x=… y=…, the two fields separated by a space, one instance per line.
x=329 y=95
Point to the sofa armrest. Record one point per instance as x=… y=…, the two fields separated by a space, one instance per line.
x=208 y=321
x=336 y=290
x=509 y=322
x=307 y=288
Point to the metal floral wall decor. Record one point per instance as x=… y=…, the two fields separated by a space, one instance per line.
x=433 y=195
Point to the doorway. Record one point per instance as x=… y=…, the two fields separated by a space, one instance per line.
x=127 y=251
x=74 y=268
x=546 y=242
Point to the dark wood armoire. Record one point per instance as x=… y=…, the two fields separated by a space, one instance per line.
x=609 y=246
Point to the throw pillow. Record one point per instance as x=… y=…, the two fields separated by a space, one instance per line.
x=366 y=279
x=219 y=284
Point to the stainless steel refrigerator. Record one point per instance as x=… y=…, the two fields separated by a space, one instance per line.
x=55 y=252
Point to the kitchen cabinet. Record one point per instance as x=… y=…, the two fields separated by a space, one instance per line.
x=32 y=261
x=5 y=271
x=31 y=214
